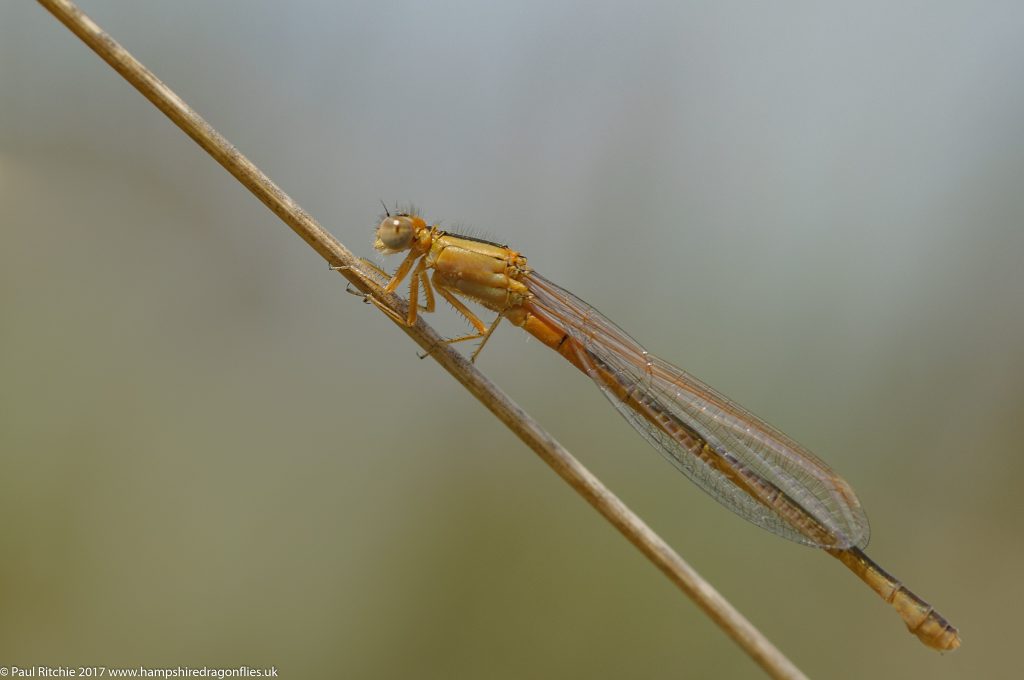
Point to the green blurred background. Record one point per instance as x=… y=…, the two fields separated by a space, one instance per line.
x=212 y=455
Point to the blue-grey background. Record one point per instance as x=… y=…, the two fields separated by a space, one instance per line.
x=211 y=454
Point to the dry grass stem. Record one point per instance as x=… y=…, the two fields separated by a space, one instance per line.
x=525 y=427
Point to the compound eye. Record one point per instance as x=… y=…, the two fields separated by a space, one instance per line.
x=395 y=233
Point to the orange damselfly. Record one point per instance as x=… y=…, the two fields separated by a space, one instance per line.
x=745 y=464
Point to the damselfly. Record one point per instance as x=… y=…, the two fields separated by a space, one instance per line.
x=745 y=464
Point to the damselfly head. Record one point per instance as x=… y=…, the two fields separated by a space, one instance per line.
x=396 y=233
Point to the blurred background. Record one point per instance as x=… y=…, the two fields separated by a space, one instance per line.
x=212 y=455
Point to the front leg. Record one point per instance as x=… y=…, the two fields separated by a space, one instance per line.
x=401 y=272
x=392 y=284
x=418 y=276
